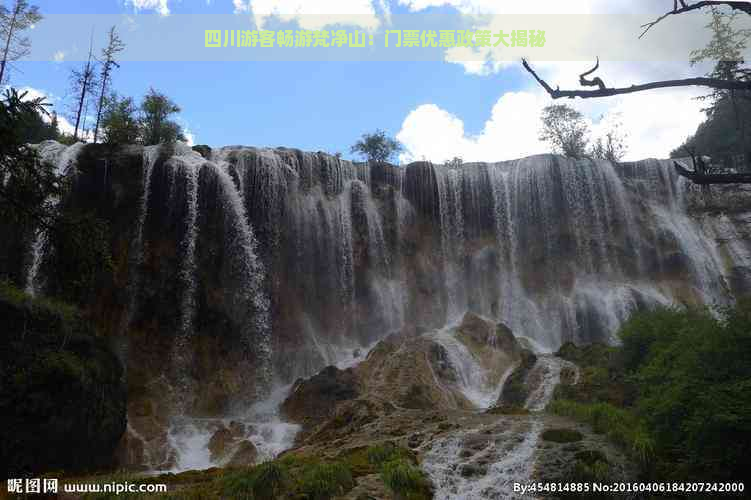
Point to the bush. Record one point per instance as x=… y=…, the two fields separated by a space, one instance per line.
x=263 y=482
x=686 y=377
x=324 y=481
x=405 y=480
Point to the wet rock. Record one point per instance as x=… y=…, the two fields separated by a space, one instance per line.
x=472 y=470
x=246 y=454
x=313 y=400
x=516 y=389
x=220 y=443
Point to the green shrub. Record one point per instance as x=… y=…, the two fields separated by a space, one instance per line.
x=677 y=393
x=620 y=425
x=263 y=482
x=380 y=453
x=405 y=480
x=323 y=481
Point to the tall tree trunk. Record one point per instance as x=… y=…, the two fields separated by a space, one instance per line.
x=100 y=104
x=6 y=49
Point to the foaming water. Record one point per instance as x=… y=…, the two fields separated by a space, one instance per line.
x=261 y=424
x=499 y=455
x=475 y=381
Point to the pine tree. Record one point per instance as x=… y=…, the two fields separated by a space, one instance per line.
x=114 y=46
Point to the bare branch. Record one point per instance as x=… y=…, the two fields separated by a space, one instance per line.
x=742 y=6
x=595 y=82
x=603 y=91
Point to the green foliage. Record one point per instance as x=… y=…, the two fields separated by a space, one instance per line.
x=25 y=197
x=689 y=376
x=80 y=255
x=263 y=482
x=325 y=480
x=621 y=426
x=381 y=453
x=120 y=123
x=565 y=130
x=156 y=125
x=611 y=146
x=62 y=396
x=377 y=147
x=405 y=480
x=725 y=135
x=562 y=435
x=694 y=381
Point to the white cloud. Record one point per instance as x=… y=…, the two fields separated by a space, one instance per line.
x=482 y=7
x=317 y=14
x=59 y=56
x=434 y=134
x=654 y=122
x=159 y=6
x=190 y=137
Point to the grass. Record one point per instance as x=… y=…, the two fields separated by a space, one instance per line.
x=17 y=297
x=266 y=481
x=405 y=481
x=326 y=480
x=620 y=425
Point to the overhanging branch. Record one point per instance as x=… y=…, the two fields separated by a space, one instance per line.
x=742 y=6
x=603 y=91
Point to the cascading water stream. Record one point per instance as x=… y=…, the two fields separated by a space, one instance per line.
x=150 y=155
x=64 y=159
x=506 y=451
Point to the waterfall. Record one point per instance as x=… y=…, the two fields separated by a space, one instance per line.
x=188 y=167
x=249 y=296
x=64 y=161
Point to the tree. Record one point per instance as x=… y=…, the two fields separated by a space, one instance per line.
x=611 y=145
x=455 y=162
x=13 y=23
x=120 y=123
x=377 y=147
x=114 y=46
x=725 y=135
x=83 y=82
x=156 y=125
x=565 y=130
x=27 y=184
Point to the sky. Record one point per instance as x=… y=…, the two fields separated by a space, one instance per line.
x=439 y=108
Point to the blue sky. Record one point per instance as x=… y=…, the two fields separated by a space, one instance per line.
x=439 y=108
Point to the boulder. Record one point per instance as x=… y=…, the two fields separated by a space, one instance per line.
x=313 y=400
x=245 y=454
x=220 y=443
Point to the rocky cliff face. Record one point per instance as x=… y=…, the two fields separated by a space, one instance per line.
x=238 y=273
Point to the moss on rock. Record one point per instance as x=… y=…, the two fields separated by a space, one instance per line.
x=62 y=399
